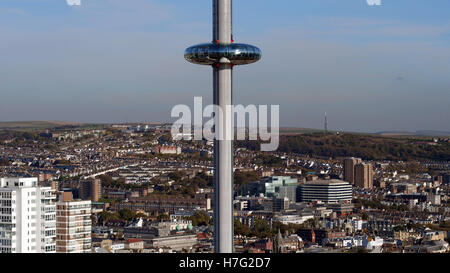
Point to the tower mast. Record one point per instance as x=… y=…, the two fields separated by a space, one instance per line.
x=222 y=54
x=223 y=149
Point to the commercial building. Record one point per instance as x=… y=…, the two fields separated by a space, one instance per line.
x=341 y=208
x=159 y=236
x=275 y=204
x=294 y=219
x=328 y=191
x=160 y=229
x=177 y=243
x=73 y=225
x=274 y=186
x=281 y=187
x=364 y=175
x=27 y=216
x=349 y=169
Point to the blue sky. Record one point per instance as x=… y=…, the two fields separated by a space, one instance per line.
x=371 y=68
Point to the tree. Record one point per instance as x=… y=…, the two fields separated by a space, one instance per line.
x=4 y=162
x=400 y=228
x=188 y=191
x=271 y=161
x=241 y=229
x=368 y=147
x=290 y=228
x=176 y=176
x=165 y=138
x=62 y=162
x=242 y=178
x=200 y=218
x=127 y=215
x=163 y=217
x=261 y=229
x=444 y=225
x=141 y=215
x=365 y=216
x=310 y=223
x=104 y=217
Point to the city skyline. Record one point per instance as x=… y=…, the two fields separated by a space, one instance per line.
x=354 y=62
x=154 y=127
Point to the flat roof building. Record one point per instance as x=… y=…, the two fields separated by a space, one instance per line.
x=349 y=169
x=364 y=175
x=177 y=243
x=27 y=216
x=274 y=186
x=73 y=225
x=91 y=190
x=328 y=191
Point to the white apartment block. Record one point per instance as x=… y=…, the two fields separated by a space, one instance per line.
x=73 y=225
x=27 y=216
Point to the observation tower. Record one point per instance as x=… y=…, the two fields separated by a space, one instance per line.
x=223 y=54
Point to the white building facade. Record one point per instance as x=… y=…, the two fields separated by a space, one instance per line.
x=327 y=191
x=27 y=216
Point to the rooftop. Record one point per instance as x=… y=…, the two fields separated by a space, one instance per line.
x=327 y=182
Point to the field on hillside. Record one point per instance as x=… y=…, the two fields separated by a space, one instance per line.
x=35 y=125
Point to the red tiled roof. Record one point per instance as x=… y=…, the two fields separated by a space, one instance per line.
x=133 y=240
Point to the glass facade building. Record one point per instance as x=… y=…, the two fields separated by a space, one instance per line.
x=280 y=186
x=209 y=54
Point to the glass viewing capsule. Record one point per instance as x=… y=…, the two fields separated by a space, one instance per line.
x=209 y=54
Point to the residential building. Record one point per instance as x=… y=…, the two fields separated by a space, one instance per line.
x=318 y=235
x=91 y=190
x=169 y=204
x=349 y=169
x=73 y=225
x=434 y=199
x=168 y=150
x=135 y=244
x=27 y=216
x=364 y=176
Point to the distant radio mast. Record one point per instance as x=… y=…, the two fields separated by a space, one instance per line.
x=326 y=124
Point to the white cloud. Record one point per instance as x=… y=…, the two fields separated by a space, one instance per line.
x=73 y=2
x=374 y=2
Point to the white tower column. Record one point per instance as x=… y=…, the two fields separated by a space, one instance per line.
x=223 y=148
x=222 y=54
